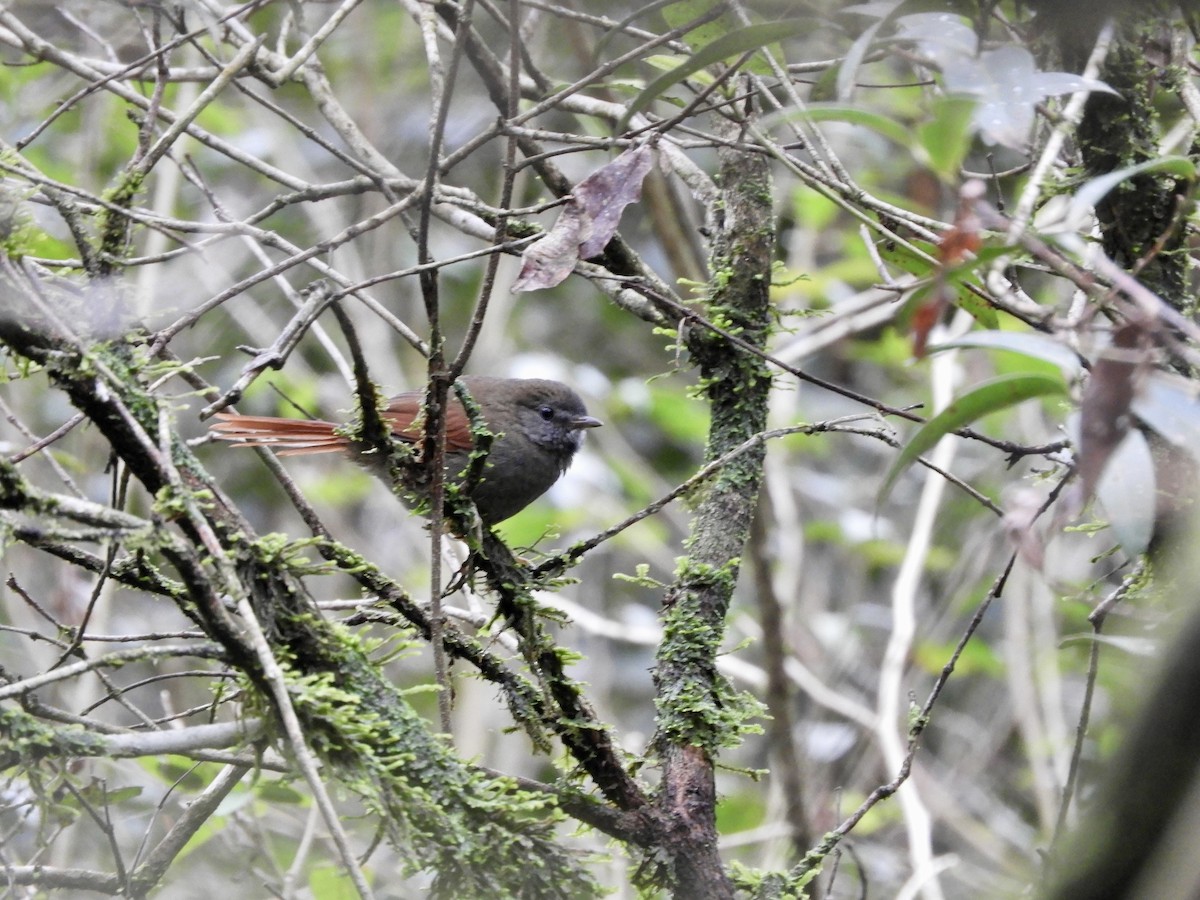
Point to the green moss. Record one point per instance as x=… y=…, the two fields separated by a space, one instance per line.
x=24 y=740
x=770 y=885
x=113 y=225
x=172 y=503
x=481 y=835
x=18 y=233
x=1144 y=211
x=697 y=705
x=276 y=549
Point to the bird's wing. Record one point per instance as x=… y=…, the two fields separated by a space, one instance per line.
x=404 y=413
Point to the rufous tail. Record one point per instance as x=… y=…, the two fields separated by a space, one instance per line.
x=288 y=437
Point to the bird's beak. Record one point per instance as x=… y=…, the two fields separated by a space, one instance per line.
x=585 y=422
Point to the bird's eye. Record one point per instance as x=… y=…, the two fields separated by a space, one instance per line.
x=546 y=412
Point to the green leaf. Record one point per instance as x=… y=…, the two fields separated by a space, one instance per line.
x=679 y=14
x=977 y=658
x=978 y=308
x=814 y=209
x=946 y=139
x=1135 y=646
x=958 y=277
x=900 y=256
x=963 y=297
x=1098 y=188
x=835 y=112
x=991 y=396
x=330 y=883
x=664 y=62
x=1027 y=343
x=121 y=795
x=277 y=792
x=848 y=71
x=751 y=37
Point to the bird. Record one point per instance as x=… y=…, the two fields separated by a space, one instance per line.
x=538 y=427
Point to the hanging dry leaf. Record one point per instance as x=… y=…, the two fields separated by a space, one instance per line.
x=1104 y=410
x=588 y=221
x=549 y=260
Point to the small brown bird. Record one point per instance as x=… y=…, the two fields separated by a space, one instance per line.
x=538 y=426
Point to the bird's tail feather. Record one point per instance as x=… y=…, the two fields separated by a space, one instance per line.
x=288 y=437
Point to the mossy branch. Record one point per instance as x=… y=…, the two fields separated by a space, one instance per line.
x=473 y=829
x=699 y=712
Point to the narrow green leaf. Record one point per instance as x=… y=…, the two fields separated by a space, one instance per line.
x=889 y=128
x=1136 y=646
x=958 y=277
x=1027 y=343
x=752 y=37
x=991 y=396
x=1096 y=189
x=848 y=71
x=978 y=308
x=899 y=255
x=664 y=62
